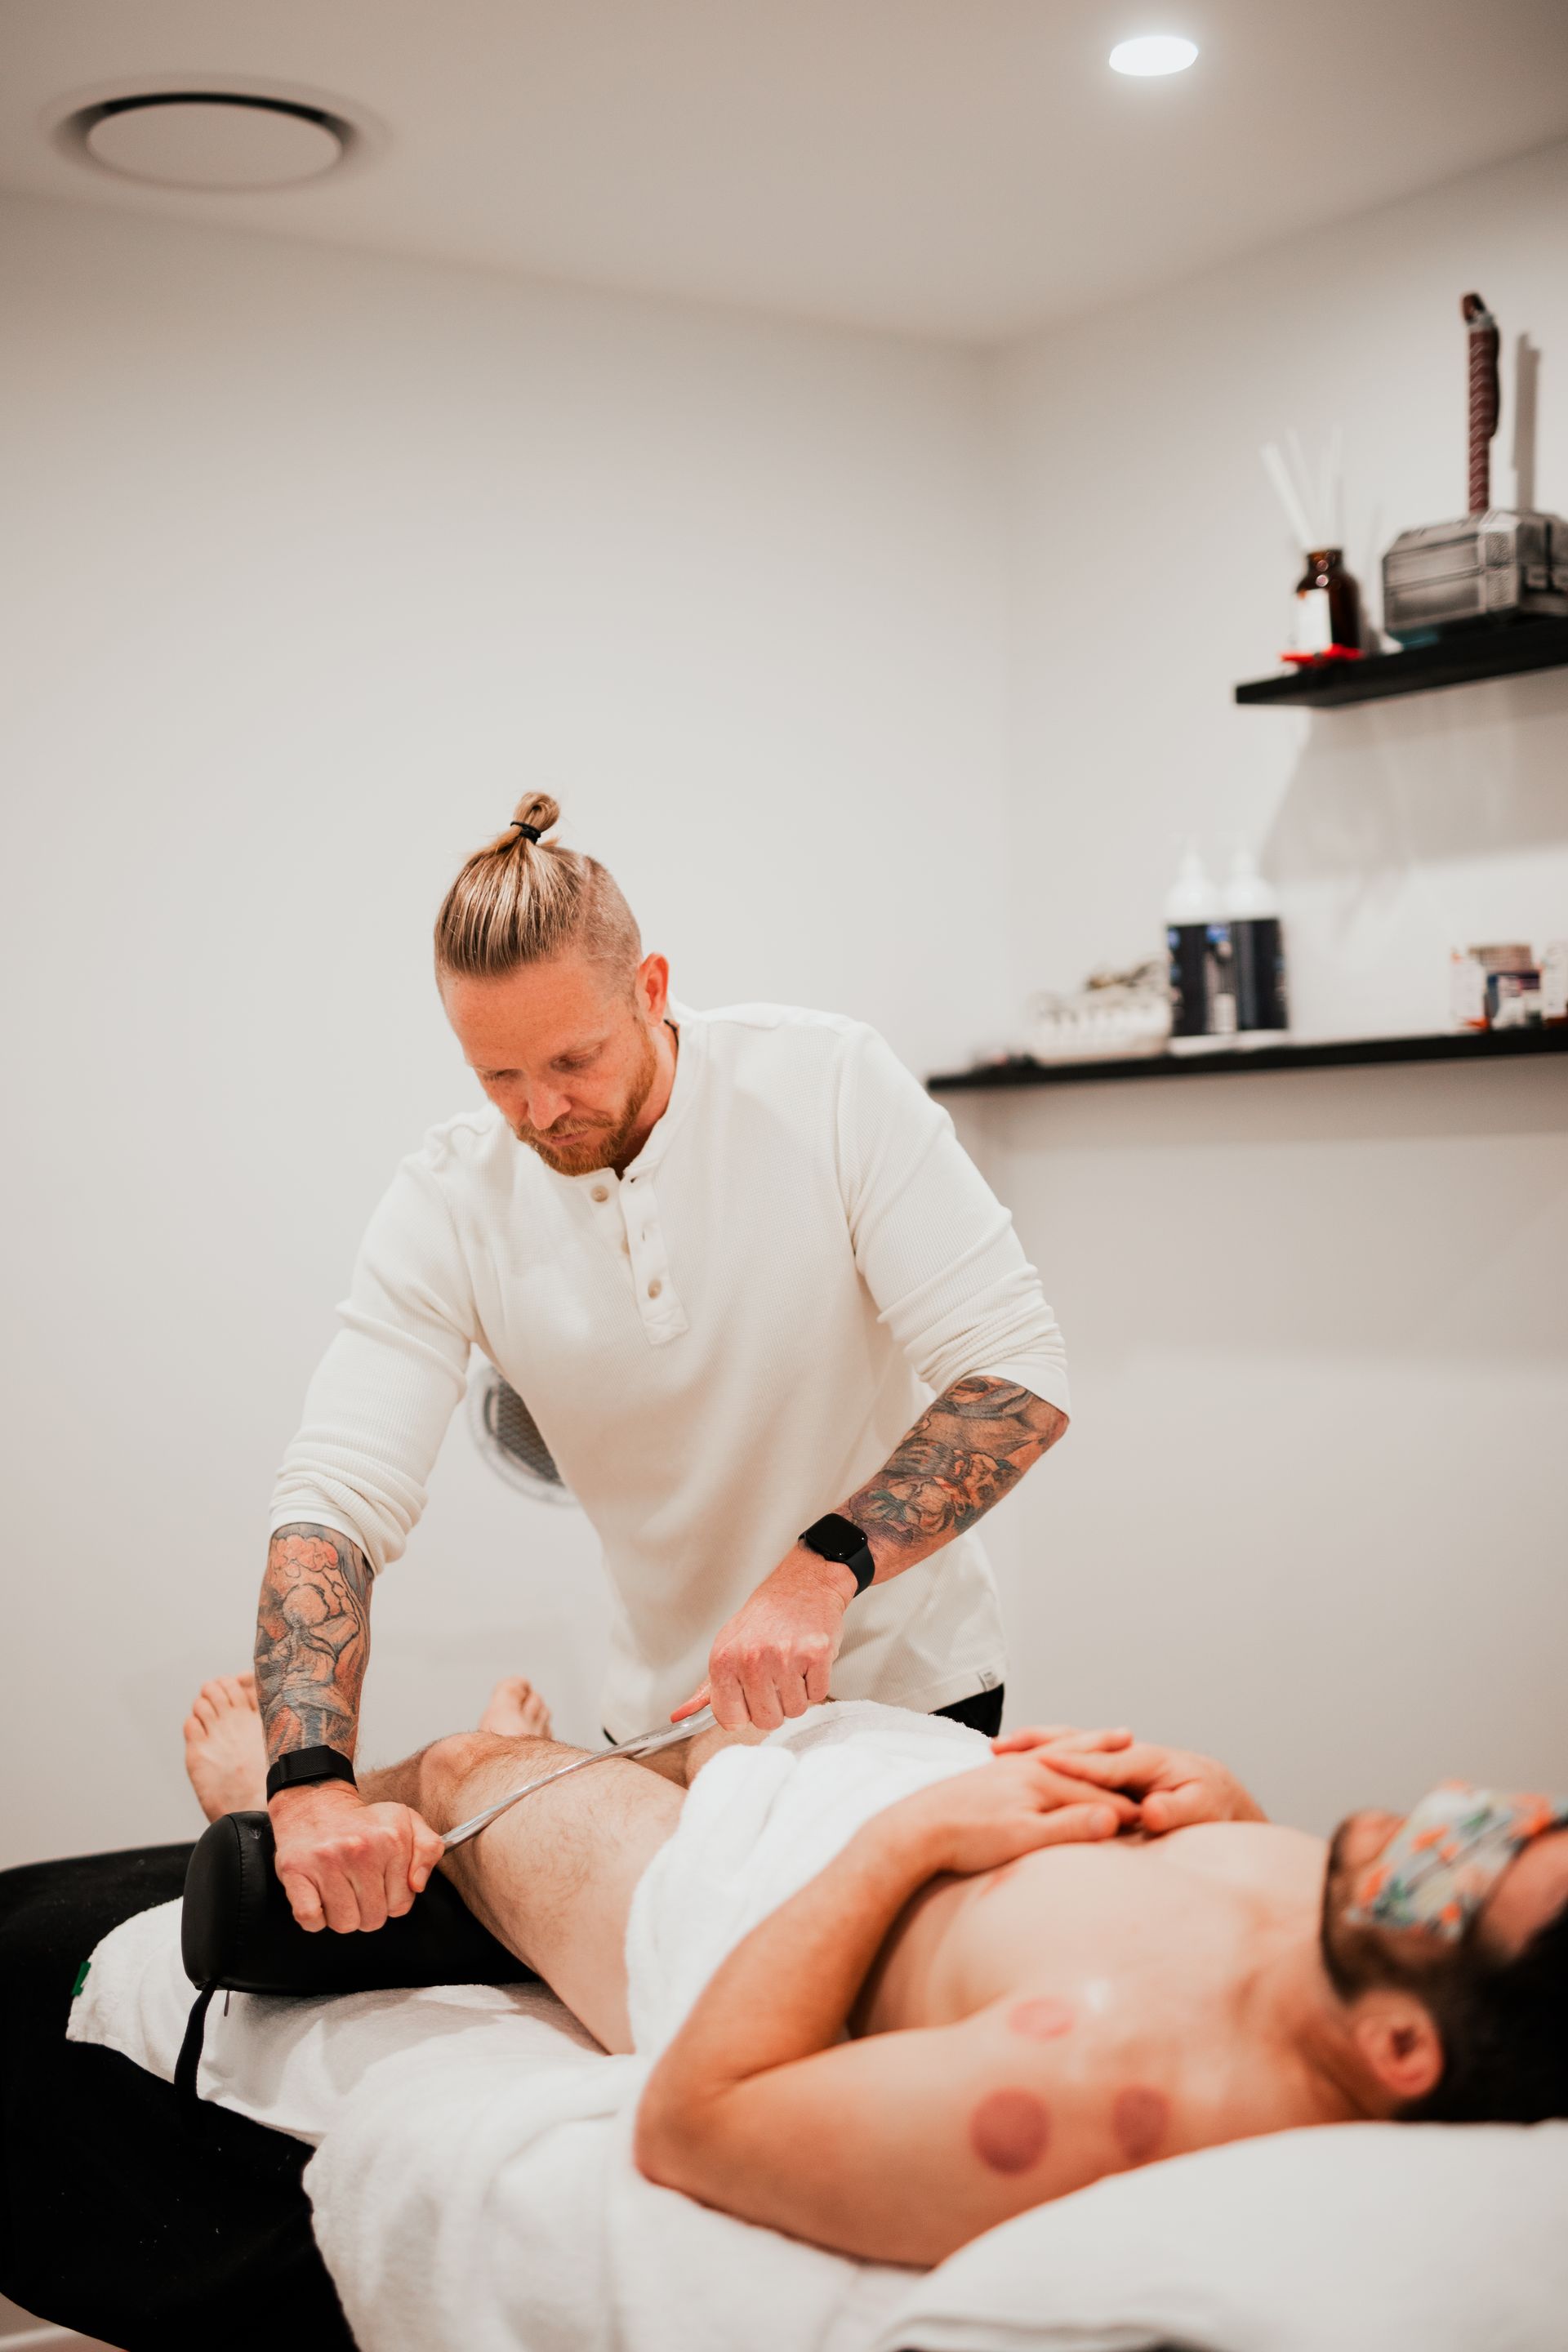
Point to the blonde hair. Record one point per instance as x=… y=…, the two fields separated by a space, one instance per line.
x=524 y=899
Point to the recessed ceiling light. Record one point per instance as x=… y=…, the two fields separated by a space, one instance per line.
x=1153 y=53
x=210 y=139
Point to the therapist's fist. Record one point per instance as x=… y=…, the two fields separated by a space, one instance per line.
x=346 y=1865
x=774 y=1656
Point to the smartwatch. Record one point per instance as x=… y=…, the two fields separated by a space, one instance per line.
x=839 y=1538
x=303 y=1767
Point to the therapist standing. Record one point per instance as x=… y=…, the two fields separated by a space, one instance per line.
x=729 y=1259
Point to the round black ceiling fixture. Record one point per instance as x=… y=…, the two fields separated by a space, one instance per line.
x=210 y=139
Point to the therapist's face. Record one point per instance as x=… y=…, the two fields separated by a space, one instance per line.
x=568 y=1052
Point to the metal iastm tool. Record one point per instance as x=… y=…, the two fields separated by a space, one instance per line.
x=669 y=1734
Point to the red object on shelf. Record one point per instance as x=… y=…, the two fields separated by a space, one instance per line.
x=1329 y=654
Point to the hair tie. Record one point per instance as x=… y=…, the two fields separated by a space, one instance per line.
x=529 y=832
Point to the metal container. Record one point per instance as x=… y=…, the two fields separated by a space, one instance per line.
x=1496 y=566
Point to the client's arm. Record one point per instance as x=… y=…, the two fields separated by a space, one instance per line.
x=900 y=2146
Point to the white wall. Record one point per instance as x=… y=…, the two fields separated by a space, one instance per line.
x=313 y=562
x=1314 y=1508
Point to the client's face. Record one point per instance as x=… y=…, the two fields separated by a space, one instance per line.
x=1357 y=1955
x=1402 y=1891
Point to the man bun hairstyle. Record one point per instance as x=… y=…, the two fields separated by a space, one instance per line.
x=524 y=899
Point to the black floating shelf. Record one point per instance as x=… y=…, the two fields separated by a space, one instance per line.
x=1328 y=1054
x=1470 y=654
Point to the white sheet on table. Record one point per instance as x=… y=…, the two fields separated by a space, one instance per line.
x=292 y=2062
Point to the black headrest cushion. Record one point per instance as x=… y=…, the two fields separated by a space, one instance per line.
x=238 y=1933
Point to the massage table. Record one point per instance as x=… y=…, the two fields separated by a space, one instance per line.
x=150 y=2220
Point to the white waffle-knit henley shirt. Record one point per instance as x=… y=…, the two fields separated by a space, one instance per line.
x=718 y=1345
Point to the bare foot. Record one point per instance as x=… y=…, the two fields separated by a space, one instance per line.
x=516 y=1711
x=226 y=1752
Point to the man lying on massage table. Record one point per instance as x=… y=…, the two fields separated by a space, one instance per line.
x=1023 y=1978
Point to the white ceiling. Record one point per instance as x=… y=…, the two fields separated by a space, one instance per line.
x=966 y=169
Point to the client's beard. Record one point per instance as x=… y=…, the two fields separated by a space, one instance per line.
x=606 y=1143
x=1345 y=1977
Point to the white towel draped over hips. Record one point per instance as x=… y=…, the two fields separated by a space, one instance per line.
x=464 y=2201
x=718 y=1345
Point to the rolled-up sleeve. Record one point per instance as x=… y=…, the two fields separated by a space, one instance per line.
x=934 y=1246
x=378 y=1406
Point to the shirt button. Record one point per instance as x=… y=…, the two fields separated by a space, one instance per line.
x=600 y=1193
x=655 y=1287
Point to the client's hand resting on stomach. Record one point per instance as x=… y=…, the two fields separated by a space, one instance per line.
x=1175 y=1788
x=979 y=1819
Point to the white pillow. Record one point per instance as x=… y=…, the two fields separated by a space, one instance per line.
x=1357 y=2238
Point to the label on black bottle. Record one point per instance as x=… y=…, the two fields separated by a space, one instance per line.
x=1219 y=980
x=1314 y=630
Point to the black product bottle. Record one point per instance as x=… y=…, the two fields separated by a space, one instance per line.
x=1257 y=950
x=1328 y=605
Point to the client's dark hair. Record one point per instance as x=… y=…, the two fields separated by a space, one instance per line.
x=1504 y=2023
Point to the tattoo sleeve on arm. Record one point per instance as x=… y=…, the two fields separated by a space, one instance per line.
x=312 y=1640
x=966 y=1451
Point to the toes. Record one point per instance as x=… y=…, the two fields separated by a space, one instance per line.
x=222 y=1695
x=516 y=1710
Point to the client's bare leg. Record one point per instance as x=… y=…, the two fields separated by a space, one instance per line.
x=682 y=1764
x=553 y=1878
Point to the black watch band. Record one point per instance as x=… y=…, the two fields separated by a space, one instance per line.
x=838 y=1539
x=304 y=1765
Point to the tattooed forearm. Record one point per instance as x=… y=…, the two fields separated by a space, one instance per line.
x=312 y=1640
x=965 y=1452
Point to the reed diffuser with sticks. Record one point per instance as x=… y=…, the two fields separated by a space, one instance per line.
x=1326 y=622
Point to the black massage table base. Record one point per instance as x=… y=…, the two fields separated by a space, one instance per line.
x=127 y=2213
